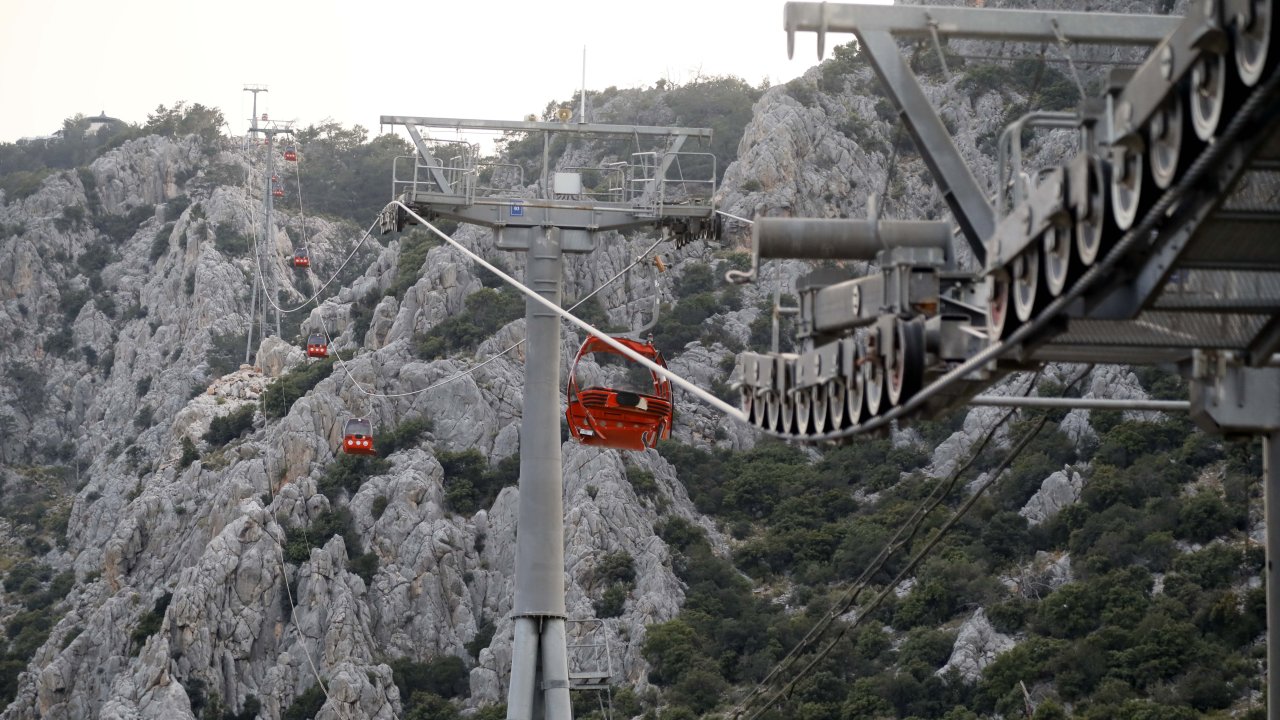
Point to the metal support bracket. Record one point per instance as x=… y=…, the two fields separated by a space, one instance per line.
x=1231 y=399
x=967 y=200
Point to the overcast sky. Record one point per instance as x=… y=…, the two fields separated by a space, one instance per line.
x=354 y=60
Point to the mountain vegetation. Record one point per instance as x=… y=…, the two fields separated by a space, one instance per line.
x=1138 y=600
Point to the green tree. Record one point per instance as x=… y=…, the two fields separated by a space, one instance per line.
x=670 y=648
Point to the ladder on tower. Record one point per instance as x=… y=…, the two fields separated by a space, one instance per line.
x=590 y=660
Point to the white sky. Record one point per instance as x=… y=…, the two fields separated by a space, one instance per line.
x=354 y=60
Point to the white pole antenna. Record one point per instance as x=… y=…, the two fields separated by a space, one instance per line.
x=582 y=118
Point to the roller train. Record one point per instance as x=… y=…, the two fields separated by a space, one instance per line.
x=868 y=345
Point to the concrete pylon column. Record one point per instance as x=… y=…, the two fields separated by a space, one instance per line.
x=539 y=660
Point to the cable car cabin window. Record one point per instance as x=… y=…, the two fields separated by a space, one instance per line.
x=618 y=404
x=357 y=437
x=317 y=346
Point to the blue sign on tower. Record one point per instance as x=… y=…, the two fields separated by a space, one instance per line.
x=517 y=210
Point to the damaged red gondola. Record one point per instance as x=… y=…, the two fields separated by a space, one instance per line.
x=618 y=418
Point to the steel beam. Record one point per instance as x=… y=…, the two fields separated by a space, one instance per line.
x=540 y=549
x=843 y=238
x=1081 y=403
x=433 y=164
x=1234 y=400
x=527 y=126
x=539 y=600
x=1038 y=26
x=660 y=172
x=540 y=213
x=1130 y=293
x=967 y=200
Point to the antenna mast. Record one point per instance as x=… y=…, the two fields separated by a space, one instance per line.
x=268 y=130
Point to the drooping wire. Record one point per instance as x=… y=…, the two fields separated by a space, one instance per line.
x=735 y=217
x=302 y=216
x=301 y=306
x=284 y=569
x=898 y=541
x=459 y=375
x=891 y=171
x=621 y=349
x=293 y=610
x=905 y=534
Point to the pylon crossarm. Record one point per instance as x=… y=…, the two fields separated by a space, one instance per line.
x=666 y=373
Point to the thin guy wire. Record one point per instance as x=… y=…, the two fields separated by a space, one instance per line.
x=458 y=376
x=908 y=529
x=958 y=515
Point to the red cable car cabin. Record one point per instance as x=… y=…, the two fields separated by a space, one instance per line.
x=615 y=418
x=301 y=258
x=317 y=346
x=291 y=154
x=357 y=437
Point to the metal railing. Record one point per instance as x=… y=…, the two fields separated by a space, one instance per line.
x=454 y=172
x=1010 y=177
x=499 y=180
x=590 y=661
x=607 y=183
x=688 y=179
x=650 y=181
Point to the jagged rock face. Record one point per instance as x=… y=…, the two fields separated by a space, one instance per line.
x=1059 y=490
x=241 y=618
x=244 y=620
x=977 y=645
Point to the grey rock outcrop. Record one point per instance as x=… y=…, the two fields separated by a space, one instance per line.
x=212 y=557
x=977 y=645
x=1059 y=490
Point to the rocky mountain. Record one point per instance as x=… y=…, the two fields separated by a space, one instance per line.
x=181 y=539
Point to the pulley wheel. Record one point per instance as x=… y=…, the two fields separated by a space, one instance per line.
x=802 y=410
x=818 y=399
x=1055 y=248
x=1252 y=41
x=1206 y=94
x=1000 y=324
x=773 y=412
x=1028 y=294
x=788 y=411
x=747 y=397
x=1165 y=142
x=873 y=384
x=837 y=395
x=1090 y=227
x=906 y=371
x=1126 y=185
x=857 y=389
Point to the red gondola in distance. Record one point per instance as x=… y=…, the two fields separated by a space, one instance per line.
x=619 y=418
x=317 y=346
x=301 y=258
x=357 y=437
